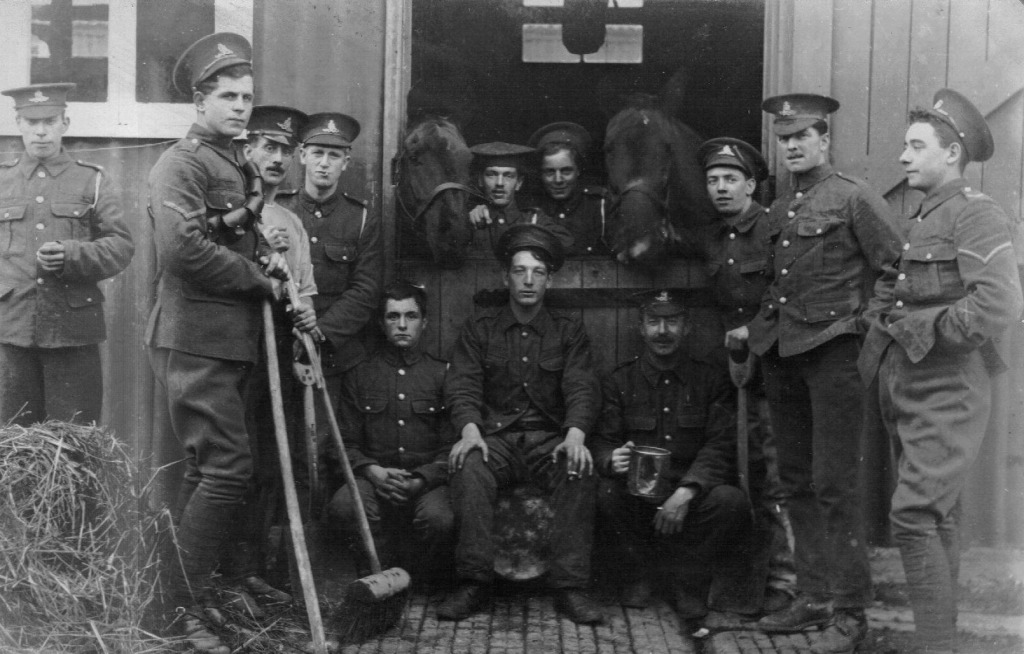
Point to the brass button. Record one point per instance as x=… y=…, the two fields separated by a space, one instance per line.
x=40 y=226
x=799 y=194
x=667 y=437
x=401 y=423
x=525 y=359
x=731 y=261
x=501 y=221
x=784 y=271
x=401 y=396
x=318 y=213
x=732 y=236
x=401 y=371
x=667 y=410
x=40 y=199
x=906 y=246
x=928 y=256
x=782 y=300
x=313 y=239
x=792 y=214
x=901 y=276
x=785 y=244
x=42 y=174
x=899 y=304
x=39 y=281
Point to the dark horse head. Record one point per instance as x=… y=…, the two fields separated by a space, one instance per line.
x=660 y=202
x=432 y=175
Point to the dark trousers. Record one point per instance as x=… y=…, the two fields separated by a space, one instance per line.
x=514 y=457
x=61 y=383
x=429 y=516
x=206 y=406
x=715 y=530
x=936 y=413
x=816 y=403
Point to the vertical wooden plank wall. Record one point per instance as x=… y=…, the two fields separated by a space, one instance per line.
x=887 y=57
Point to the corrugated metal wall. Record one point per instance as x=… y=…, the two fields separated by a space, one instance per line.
x=880 y=58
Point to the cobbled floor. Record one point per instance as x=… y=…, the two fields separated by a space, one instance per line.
x=521 y=619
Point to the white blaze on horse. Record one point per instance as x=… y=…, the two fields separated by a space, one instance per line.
x=660 y=205
x=431 y=173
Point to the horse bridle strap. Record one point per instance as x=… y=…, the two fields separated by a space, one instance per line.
x=438 y=190
x=643 y=187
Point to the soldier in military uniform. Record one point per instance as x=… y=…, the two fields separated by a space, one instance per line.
x=580 y=209
x=833 y=237
x=345 y=246
x=204 y=330
x=523 y=396
x=272 y=136
x=397 y=438
x=929 y=356
x=62 y=231
x=501 y=170
x=665 y=398
x=739 y=251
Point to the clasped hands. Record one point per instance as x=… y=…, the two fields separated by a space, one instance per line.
x=394 y=484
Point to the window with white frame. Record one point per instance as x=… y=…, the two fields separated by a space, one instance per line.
x=120 y=53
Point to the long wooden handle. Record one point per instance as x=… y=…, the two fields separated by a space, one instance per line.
x=316 y=624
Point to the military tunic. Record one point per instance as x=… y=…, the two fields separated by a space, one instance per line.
x=931 y=348
x=56 y=315
x=348 y=265
x=205 y=327
x=690 y=410
x=393 y=414
x=832 y=240
x=739 y=253
x=583 y=215
x=486 y=236
x=524 y=386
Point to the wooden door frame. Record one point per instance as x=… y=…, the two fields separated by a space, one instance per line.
x=397 y=72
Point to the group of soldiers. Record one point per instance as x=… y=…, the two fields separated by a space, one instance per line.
x=846 y=310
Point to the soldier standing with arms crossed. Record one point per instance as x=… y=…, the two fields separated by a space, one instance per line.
x=62 y=231
x=929 y=356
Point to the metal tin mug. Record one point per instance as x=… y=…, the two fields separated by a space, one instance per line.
x=648 y=472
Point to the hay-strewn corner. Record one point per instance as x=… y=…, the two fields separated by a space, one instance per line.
x=78 y=563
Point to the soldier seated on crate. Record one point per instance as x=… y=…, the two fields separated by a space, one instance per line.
x=523 y=396
x=397 y=440
x=696 y=513
x=500 y=170
x=577 y=207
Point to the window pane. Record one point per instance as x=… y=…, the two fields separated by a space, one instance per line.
x=69 y=44
x=165 y=28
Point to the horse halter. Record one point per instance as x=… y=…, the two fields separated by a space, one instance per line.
x=644 y=188
x=434 y=193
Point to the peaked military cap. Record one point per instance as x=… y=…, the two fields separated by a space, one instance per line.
x=498 y=153
x=796 y=112
x=661 y=302
x=527 y=235
x=332 y=129
x=959 y=113
x=734 y=153
x=40 y=100
x=563 y=132
x=278 y=124
x=207 y=57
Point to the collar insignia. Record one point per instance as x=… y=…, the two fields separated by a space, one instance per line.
x=331 y=128
x=38 y=97
x=787 y=109
x=286 y=125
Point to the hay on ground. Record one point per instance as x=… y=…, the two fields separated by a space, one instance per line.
x=78 y=562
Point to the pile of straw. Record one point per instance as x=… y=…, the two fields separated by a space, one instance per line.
x=78 y=563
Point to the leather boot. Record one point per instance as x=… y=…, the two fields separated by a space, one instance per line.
x=802 y=613
x=637 y=593
x=848 y=629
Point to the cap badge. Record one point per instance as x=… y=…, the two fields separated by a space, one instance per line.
x=331 y=128
x=938 y=104
x=38 y=97
x=727 y=150
x=286 y=125
x=661 y=297
x=223 y=51
x=787 y=109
